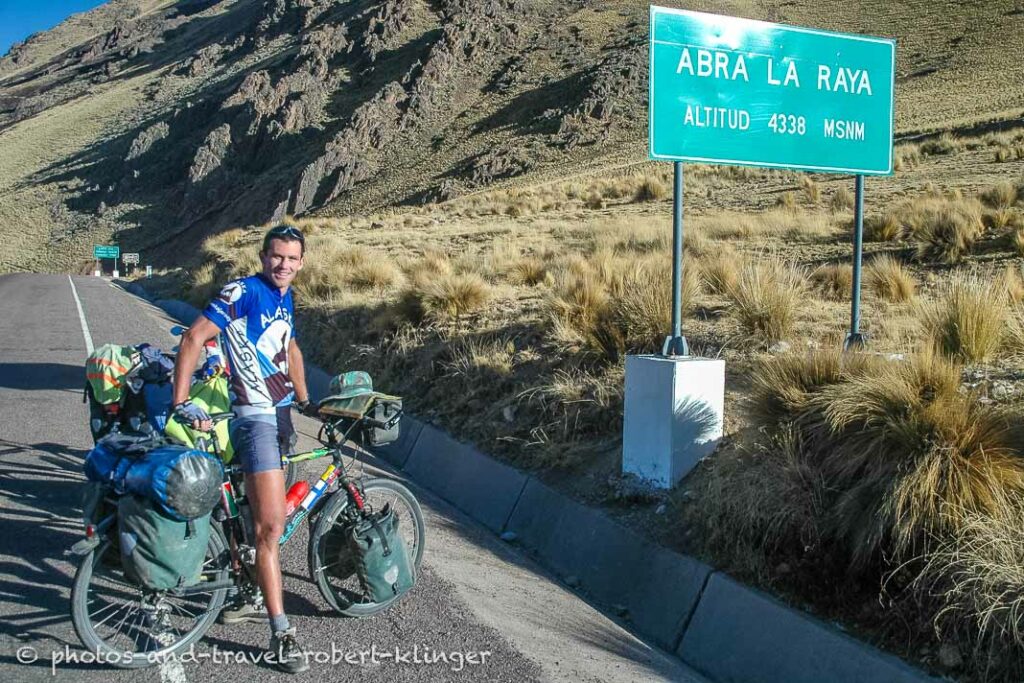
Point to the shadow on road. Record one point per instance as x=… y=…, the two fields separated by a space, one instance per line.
x=41 y=376
x=40 y=485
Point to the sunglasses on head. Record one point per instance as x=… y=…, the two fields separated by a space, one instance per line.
x=288 y=232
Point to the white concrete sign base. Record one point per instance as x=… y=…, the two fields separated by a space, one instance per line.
x=673 y=415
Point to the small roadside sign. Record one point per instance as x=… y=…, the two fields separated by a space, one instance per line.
x=728 y=90
x=106 y=251
x=130 y=258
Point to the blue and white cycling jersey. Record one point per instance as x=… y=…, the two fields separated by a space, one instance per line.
x=256 y=320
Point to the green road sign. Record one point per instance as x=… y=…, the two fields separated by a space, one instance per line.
x=737 y=91
x=106 y=251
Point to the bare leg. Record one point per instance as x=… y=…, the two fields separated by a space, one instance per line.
x=265 y=491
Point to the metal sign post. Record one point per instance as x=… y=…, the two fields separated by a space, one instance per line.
x=675 y=344
x=854 y=339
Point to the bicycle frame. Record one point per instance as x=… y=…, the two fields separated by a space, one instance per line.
x=334 y=440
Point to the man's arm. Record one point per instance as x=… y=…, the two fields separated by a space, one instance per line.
x=192 y=341
x=297 y=372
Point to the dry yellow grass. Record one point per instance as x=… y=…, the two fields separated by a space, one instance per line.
x=842 y=200
x=529 y=271
x=1012 y=283
x=901 y=454
x=884 y=228
x=1000 y=196
x=890 y=280
x=968 y=319
x=792 y=225
x=768 y=293
x=810 y=189
x=945 y=229
x=650 y=190
x=833 y=281
x=720 y=270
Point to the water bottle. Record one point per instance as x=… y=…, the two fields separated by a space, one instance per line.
x=295 y=495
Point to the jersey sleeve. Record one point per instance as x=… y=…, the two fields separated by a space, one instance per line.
x=230 y=304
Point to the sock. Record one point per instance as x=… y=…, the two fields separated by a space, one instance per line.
x=278 y=622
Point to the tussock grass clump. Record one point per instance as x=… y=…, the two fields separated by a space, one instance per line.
x=481 y=359
x=787 y=201
x=842 y=200
x=945 y=229
x=650 y=189
x=890 y=280
x=811 y=189
x=529 y=271
x=968 y=319
x=766 y=298
x=1002 y=219
x=641 y=313
x=906 y=157
x=833 y=281
x=1011 y=282
x=456 y=295
x=977 y=575
x=441 y=298
x=1000 y=196
x=947 y=143
x=896 y=446
x=1017 y=240
x=594 y=200
x=720 y=270
x=884 y=228
x=611 y=305
x=374 y=271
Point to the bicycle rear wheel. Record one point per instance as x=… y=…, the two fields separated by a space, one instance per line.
x=133 y=628
x=330 y=565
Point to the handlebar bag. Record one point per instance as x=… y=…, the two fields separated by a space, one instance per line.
x=387 y=412
x=380 y=556
x=157 y=551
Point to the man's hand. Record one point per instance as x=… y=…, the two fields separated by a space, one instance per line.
x=192 y=415
x=306 y=408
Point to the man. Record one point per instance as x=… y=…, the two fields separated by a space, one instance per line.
x=267 y=374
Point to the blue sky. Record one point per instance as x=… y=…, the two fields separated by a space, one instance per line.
x=21 y=18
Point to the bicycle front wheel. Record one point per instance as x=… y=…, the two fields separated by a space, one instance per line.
x=133 y=628
x=331 y=566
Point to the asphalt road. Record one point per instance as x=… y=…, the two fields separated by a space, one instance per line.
x=476 y=594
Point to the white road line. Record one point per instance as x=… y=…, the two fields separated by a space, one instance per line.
x=81 y=316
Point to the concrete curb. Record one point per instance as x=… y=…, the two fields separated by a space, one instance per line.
x=779 y=643
x=725 y=630
x=478 y=485
x=657 y=587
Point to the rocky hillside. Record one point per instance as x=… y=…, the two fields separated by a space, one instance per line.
x=158 y=122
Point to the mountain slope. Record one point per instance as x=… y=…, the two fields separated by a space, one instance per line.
x=159 y=122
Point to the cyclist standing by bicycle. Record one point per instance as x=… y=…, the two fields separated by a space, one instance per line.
x=267 y=375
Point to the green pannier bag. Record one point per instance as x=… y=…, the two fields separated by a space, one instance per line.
x=105 y=371
x=212 y=396
x=380 y=556
x=158 y=552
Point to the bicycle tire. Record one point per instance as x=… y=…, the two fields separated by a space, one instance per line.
x=336 y=595
x=217 y=566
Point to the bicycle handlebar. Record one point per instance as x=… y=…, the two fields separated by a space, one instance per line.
x=216 y=418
